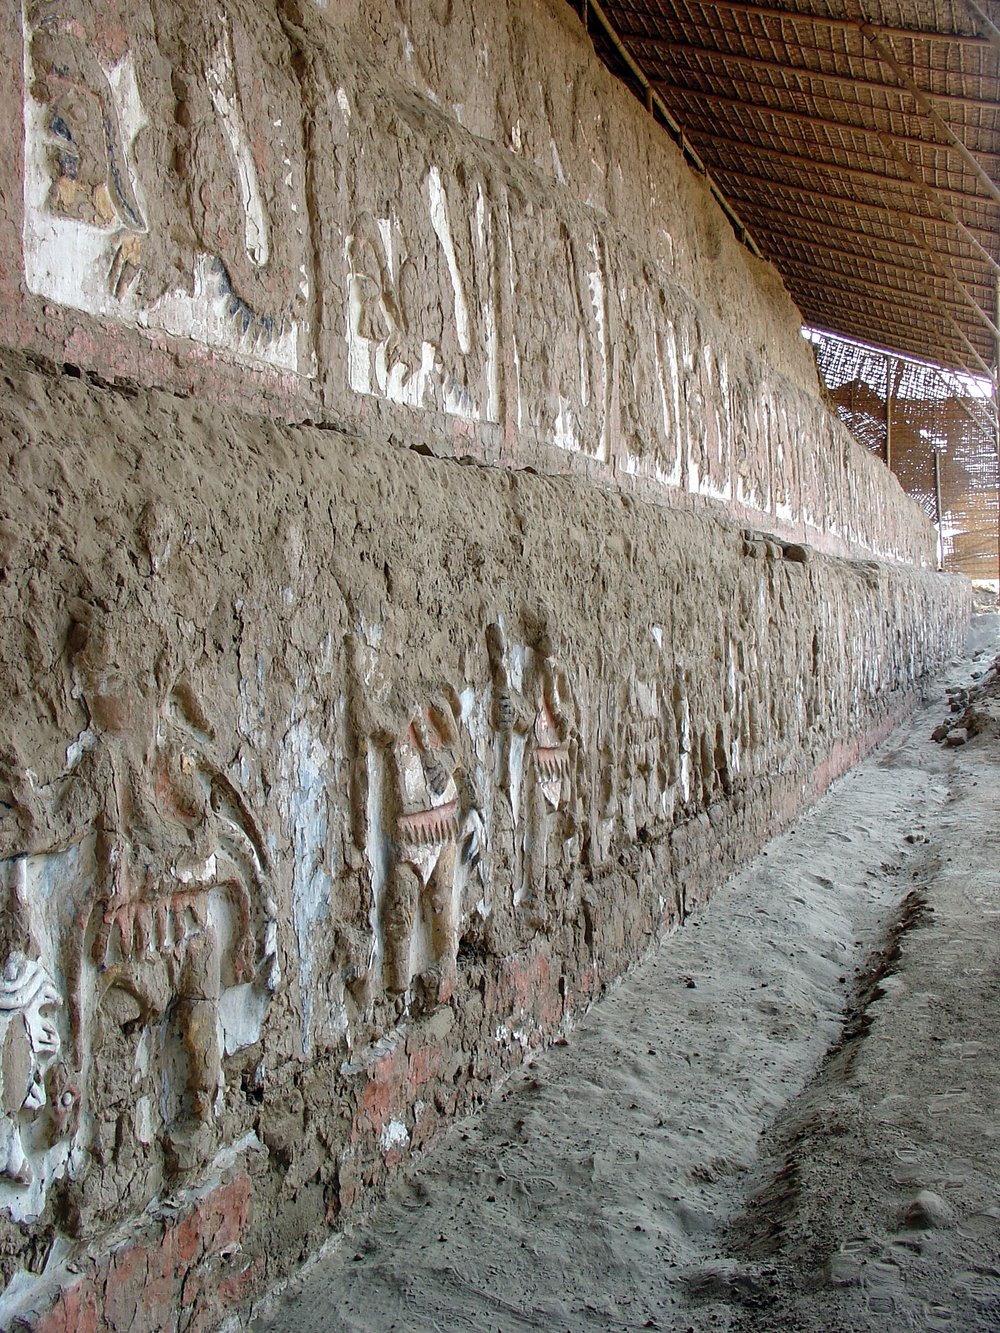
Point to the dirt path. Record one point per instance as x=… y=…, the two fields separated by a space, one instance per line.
x=608 y=1187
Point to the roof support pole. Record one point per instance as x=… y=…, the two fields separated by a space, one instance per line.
x=893 y=375
x=996 y=416
x=886 y=55
x=990 y=30
x=937 y=506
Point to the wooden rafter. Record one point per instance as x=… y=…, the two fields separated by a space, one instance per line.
x=885 y=53
x=807 y=118
x=675 y=49
x=877 y=178
x=846 y=199
x=841 y=23
x=864 y=153
x=786 y=244
x=884 y=210
x=809 y=227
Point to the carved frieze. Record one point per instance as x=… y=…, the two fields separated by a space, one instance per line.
x=158 y=190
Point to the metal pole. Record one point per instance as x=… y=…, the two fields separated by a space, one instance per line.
x=937 y=498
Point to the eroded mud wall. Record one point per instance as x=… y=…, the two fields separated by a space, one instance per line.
x=335 y=779
x=391 y=647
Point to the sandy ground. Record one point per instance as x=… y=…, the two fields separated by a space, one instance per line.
x=786 y=1118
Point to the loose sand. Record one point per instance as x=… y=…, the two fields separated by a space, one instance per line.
x=786 y=1118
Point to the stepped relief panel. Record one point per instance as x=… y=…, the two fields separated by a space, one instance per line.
x=163 y=181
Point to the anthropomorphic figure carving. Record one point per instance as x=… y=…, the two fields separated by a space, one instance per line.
x=182 y=909
x=437 y=838
x=147 y=156
x=536 y=743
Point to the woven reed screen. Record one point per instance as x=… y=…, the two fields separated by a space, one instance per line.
x=931 y=409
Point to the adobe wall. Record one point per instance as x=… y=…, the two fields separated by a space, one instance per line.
x=426 y=568
x=438 y=218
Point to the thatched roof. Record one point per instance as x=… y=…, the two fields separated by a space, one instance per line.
x=855 y=143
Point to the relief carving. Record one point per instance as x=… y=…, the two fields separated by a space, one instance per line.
x=536 y=737
x=437 y=838
x=185 y=922
x=421 y=289
x=143 y=168
x=143 y=883
x=560 y=337
x=36 y=1106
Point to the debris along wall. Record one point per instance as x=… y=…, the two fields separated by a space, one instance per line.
x=441 y=219
x=333 y=778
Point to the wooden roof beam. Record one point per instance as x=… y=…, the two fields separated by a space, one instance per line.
x=864 y=323
x=885 y=53
x=954 y=144
x=838 y=276
x=939 y=199
x=655 y=104
x=841 y=199
x=842 y=24
x=882 y=208
x=983 y=21
x=822 y=164
x=882 y=264
x=819 y=163
x=821 y=76
x=861 y=288
x=808 y=118
x=762 y=209
x=886 y=291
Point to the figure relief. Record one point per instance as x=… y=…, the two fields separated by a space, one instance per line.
x=183 y=919
x=551 y=754
x=437 y=839
x=536 y=739
x=421 y=318
x=562 y=356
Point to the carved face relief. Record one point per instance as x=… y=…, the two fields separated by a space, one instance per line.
x=30 y=1045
